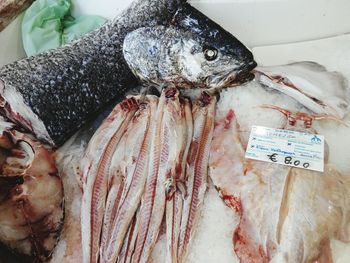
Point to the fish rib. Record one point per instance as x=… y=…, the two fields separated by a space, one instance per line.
x=203 y=117
x=115 y=189
x=136 y=168
x=95 y=189
x=163 y=161
x=127 y=251
x=174 y=203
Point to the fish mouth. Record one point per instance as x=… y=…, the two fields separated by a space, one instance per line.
x=246 y=73
x=233 y=77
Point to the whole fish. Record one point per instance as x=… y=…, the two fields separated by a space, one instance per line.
x=193 y=52
x=54 y=93
x=310 y=84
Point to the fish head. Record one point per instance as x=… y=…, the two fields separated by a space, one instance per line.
x=193 y=51
x=208 y=64
x=221 y=60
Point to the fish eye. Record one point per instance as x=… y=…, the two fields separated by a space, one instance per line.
x=210 y=53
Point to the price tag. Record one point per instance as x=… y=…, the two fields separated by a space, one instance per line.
x=297 y=149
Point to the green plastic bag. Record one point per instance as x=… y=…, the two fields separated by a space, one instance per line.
x=48 y=24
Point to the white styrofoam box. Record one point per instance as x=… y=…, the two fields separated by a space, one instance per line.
x=270 y=22
x=257 y=22
x=11 y=47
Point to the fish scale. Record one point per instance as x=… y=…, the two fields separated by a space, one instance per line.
x=73 y=83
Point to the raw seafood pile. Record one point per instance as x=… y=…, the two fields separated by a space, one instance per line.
x=148 y=159
x=285 y=214
x=144 y=172
x=45 y=95
x=31 y=194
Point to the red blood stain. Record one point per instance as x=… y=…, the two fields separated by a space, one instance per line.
x=229 y=117
x=129 y=104
x=170 y=92
x=193 y=151
x=246 y=249
x=205 y=99
x=233 y=202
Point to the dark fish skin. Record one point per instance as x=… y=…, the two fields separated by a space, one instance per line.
x=66 y=87
x=191 y=19
x=193 y=51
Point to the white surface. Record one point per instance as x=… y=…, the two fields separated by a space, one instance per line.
x=11 y=47
x=258 y=22
x=266 y=22
x=274 y=145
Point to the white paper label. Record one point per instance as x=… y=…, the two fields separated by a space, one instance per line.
x=297 y=149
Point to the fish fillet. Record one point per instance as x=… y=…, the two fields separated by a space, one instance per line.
x=164 y=159
x=196 y=173
x=177 y=192
x=115 y=184
x=97 y=174
x=128 y=249
x=286 y=214
x=137 y=151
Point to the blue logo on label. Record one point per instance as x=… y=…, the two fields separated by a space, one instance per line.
x=315 y=139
